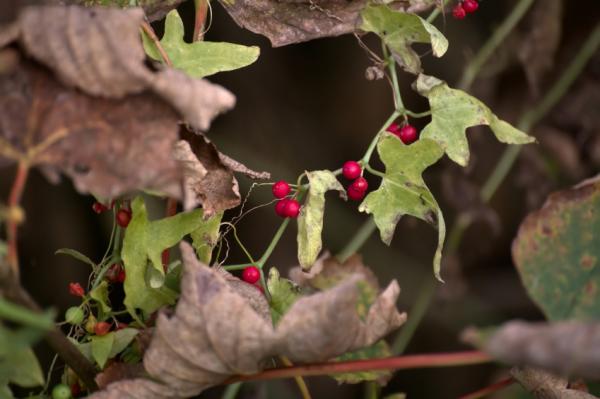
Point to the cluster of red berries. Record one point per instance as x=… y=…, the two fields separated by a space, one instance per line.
x=407 y=133
x=285 y=207
x=115 y=273
x=123 y=216
x=464 y=7
x=358 y=188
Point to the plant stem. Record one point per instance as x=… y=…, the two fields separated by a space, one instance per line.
x=358 y=240
x=147 y=28
x=497 y=38
x=489 y=389
x=12 y=225
x=232 y=390
x=417 y=313
x=201 y=7
x=367 y=157
x=434 y=14
x=299 y=380
x=263 y=259
x=354 y=366
x=21 y=315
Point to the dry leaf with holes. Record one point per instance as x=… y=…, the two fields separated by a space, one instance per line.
x=216 y=332
x=544 y=385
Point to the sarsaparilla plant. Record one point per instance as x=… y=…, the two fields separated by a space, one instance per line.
x=92 y=93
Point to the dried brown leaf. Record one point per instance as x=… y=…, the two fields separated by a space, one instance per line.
x=544 y=385
x=294 y=21
x=99 y=51
x=566 y=348
x=216 y=333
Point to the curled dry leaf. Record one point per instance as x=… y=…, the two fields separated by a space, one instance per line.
x=294 y=21
x=544 y=385
x=99 y=51
x=215 y=333
x=565 y=348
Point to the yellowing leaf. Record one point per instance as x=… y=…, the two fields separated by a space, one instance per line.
x=399 y=30
x=199 y=59
x=310 y=221
x=453 y=111
x=403 y=191
x=101 y=347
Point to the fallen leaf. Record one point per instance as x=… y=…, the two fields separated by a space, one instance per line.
x=403 y=191
x=557 y=251
x=543 y=385
x=566 y=348
x=287 y=22
x=215 y=333
x=310 y=221
x=200 y=58
x=399 y=30
x=453 y=111
x=104 y=57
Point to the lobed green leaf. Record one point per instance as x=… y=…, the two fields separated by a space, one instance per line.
x=283 y=292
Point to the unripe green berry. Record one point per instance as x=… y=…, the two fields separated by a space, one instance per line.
x=74 y=315
x=61 y=391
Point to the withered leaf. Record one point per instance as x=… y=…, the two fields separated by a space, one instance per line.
x=294 y=21
x=565 y=348
x=544 y=385
x=99 y=51
x=215 y=333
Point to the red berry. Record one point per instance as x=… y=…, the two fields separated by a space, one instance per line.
x=113 y=272
x=393 y=128
x=123 y=217
x=99 y=207
x=291 y=208
x=121 y=326
x=280 y=207
x=459 y=12
x=470 y=6
x=408 y=134
x=281 y=189
x=351 y=170
x=121 y=276
x=75 y=390
x=251 y=274
x=259 y=287
x=360 y=184
x=101 y=328
x=76 y=289
x=355 y=194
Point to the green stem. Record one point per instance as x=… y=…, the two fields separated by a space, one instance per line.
x=235 y=267
x=21 y=315
x=239 y=242
x=417 y=114
x=434 y=14
x=417 y=313
x=263 y=259
x=367 y=157
x=492 y=44
x=232 y=390
x=391 y=65
x=357 y=241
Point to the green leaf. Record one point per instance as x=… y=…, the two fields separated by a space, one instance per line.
x=199 y=59
x=557 y=254
x=100 y=295
x=403 y=191
x=376 y=351
x=119 y=341
x=144 y=241
x=205 y=237
x=76 y=255
x=453 y=111
x=399 y=30
x=310 y=221
x=102 y=347
x=5 y=392
x=123 y=338
x=22 y=368
x=283 y=292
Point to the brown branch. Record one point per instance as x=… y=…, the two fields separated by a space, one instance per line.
x=200 y=21
x=12 y=225
x=390 y=363
x=490 y=389
x=150 y=32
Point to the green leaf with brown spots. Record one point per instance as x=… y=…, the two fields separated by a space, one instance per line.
x=453 y=111
x=557 y=253
x=310 y=221
x=283 y=292
x=403 y=191
x=205 y=237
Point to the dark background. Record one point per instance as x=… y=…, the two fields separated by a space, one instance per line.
x=308 y=106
